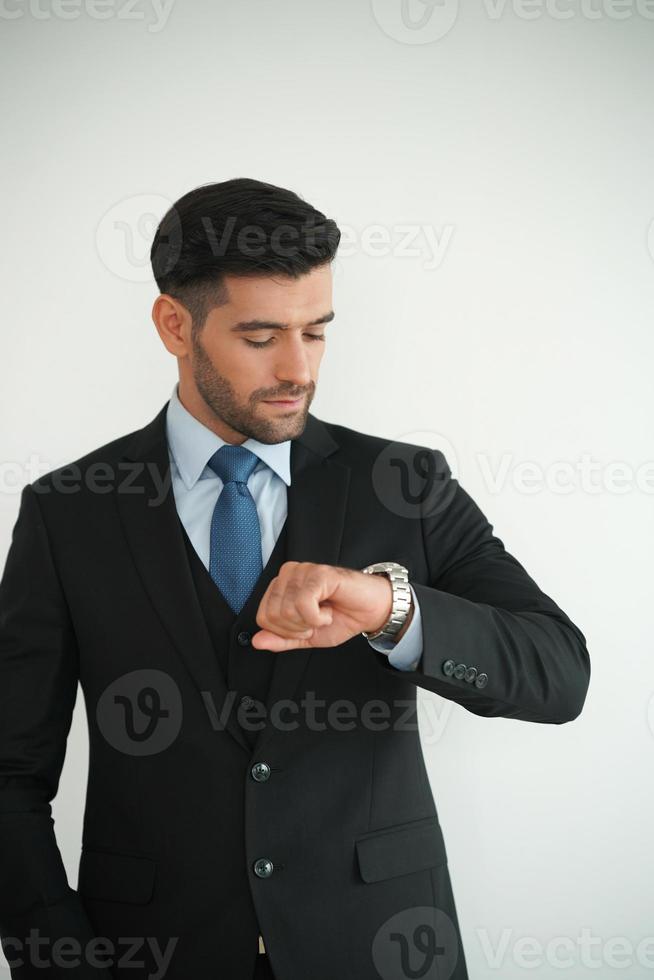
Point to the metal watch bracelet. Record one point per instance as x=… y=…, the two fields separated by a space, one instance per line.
x=399 y=579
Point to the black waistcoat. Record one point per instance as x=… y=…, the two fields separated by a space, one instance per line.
x=247 y=670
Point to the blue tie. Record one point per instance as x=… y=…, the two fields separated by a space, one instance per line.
x=235 y=562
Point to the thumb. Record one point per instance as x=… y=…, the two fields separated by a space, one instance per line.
x=265 y=640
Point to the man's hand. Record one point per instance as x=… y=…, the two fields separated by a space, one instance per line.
x=310 y=605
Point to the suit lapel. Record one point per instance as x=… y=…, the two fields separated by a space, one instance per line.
x=316 y=510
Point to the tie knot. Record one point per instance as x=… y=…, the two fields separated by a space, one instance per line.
x=233 y=463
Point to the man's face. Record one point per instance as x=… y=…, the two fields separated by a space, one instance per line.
x=240 y=363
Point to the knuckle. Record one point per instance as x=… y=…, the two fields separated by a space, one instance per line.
x=288 y=606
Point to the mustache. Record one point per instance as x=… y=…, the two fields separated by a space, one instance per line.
x=285 y=394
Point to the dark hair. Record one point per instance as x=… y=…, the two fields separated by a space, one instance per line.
x=237 y=227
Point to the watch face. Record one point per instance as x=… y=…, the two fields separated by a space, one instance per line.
x=383 y=567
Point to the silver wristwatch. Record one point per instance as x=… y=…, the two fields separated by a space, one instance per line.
x=399 y=579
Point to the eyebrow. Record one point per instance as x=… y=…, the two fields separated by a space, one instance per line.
x=244 y=325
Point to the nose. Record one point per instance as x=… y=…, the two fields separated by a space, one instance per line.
x=293 y=364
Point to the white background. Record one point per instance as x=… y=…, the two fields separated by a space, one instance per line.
x=521 y=137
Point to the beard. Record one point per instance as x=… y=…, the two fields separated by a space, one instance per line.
x=220 y=397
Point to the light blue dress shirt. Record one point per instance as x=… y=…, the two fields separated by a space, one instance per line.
x=196 y=488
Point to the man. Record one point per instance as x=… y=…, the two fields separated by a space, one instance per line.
x=257 y=801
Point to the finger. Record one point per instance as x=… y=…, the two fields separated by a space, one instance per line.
x=282 y=611
x=300 y=602
x=266 y=640
x=310 y=610
x=268 y=614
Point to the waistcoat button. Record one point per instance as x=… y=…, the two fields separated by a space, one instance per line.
x=243 y=638
x=260 y=771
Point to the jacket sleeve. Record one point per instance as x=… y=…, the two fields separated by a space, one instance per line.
x=38 y=688
x=491 y=639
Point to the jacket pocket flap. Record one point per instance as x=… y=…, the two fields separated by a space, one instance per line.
x=401 y=849
x=115 y=877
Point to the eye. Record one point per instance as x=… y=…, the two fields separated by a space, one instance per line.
x=266 y=343
x=258 y=343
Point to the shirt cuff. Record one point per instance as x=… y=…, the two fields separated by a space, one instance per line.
x=405 y=654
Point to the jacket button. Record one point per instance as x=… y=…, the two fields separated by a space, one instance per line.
x=260 y=771
x=448 y=667
x=243 y=638
x=460 y=671
x=263 y=867
x=481 y=680
x=470 y=674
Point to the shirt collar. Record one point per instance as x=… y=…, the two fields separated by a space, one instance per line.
x=192 y=445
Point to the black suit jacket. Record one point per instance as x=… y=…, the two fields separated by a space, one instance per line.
x=97 y=585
